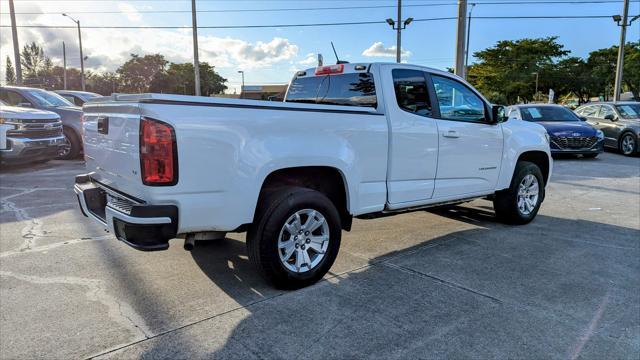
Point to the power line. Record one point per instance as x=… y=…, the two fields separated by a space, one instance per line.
x=542 y=17
x=526 y=2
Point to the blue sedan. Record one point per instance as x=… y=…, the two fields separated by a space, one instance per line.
x=568 y=133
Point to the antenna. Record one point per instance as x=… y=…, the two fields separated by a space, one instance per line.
x=338 y=61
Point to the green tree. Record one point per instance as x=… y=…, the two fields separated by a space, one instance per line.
x=10 y=73
x=603 y=62
x=103 y=83
x=33 y=63
x=505 y=72
x=180 y=79
x=137 y=74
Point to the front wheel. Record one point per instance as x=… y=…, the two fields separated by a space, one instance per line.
x=628 y=144
x=71 y=148
x=295 y=237
x=519 y=204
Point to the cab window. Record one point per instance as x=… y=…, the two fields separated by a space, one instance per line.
x=411 y=91
x=353 y=89
x=456 y=101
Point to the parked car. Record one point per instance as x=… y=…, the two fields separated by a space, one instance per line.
x=77 y=98
x=350 y=140
x=70 y=114
x=569 y=134
x=28 y=135
x=619 y=121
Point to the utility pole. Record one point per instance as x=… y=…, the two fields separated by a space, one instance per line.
x=620 y=63
x=196 y=62
x=81 y=56
x=460 y=37
x=400 y=26
x=16 y=46
x=64 y=65
x=466 y=51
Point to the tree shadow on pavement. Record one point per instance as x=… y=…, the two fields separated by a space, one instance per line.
x=555 y=288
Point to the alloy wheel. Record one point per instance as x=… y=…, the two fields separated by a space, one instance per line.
x=528 y=194
x=303 y=240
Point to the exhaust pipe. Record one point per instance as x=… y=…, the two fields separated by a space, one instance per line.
x=190 y=242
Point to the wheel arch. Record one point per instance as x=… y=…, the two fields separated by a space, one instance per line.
x=541 y=159
x=328 y=180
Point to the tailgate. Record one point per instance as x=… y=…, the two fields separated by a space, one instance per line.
x=111 y=145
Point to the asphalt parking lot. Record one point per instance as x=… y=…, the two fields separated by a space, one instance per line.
x=446 y=283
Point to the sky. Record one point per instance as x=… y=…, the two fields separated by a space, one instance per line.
x=271 y=55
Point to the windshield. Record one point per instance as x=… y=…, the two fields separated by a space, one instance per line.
x=547 y=113
x=46 y=98
x=629 y=111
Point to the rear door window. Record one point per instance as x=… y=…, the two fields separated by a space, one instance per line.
x=12 y=98
x=354 y=89
x=590 y=111
x=411 y=91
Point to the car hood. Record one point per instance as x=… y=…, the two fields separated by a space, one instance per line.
x=568 y=128
x=15 y=112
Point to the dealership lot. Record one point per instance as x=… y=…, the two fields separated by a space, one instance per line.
x=429 y=284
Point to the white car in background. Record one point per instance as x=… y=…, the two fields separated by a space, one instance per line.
x=29 y=135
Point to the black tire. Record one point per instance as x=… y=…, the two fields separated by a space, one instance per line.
x=271 y=215
x=590 y=156
x=73 y=142
x=628 y=136
x=505 y=202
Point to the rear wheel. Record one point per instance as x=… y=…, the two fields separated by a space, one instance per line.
x=519 y=204
x=628 y=144
x=295 y=237
x=71 y=148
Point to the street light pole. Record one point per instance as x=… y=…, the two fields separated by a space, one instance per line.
x=81 y=56
x=16 y=46
x=466 y=52
x=64 y=65
x=536 y=93
x=241 y=87
x=460 y=37
x=196 y=62
x=400 y=26
x=620 y=63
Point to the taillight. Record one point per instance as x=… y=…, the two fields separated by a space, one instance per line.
x=331 y=69
x=158 y=153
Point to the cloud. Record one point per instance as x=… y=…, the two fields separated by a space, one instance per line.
x=130 y=11
x=377 y=49
x=310 y=59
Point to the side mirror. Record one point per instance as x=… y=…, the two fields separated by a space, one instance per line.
x=498 y=114
x=582 y=118
x=25 y=104
x=610 y=117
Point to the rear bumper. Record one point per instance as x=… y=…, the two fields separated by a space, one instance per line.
x=25 y=149
x=139 y=225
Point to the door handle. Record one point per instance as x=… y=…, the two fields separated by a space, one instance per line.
x=451 y=134
x=103 y=125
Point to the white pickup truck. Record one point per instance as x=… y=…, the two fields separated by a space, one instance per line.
x=350 y=140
